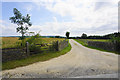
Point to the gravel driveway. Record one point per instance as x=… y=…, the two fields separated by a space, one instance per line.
x=80 y=61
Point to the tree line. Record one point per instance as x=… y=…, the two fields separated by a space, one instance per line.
x=107 y=36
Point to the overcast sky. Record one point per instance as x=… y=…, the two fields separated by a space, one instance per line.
x=55 y=17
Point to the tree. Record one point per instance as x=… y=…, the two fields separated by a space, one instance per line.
x=67 y=34
x=84 y=36
x=57 y=36
x=22 y=22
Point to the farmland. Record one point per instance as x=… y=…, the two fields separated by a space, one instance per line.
x=11 y=42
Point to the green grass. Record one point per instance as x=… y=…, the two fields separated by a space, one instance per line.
x=84 y=43
x=34 y=58
x=81 y=42
x=101 y=40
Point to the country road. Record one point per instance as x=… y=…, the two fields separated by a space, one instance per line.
x=80 y=61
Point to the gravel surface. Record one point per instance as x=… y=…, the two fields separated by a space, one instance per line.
x=115 y=75
x=80 y=61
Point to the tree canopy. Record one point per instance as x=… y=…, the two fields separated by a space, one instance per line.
x=84 y=36
x=67 y=34
x=23 y=22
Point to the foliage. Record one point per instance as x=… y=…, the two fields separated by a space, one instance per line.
x=21 y=38
x=67 y=34
x=22 y=21
x=116 y=40
x=107 y=36
x=57 y=36
x=115 y=37
x=33 y=40
x=84 y=36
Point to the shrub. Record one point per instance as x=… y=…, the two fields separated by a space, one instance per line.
x=33 y=40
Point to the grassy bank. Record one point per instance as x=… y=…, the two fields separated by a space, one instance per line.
x=84 y=43
x=101 y=40
x=35 y=58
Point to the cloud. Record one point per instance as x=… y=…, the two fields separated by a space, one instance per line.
x=8 y=29
x=81 y=11
x=91 y=17
x=28 y=7
x=99 y=5
x=52 y=28
x=86 y=15
x=55 y=19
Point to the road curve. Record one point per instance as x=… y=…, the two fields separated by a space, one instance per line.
x=80 y=61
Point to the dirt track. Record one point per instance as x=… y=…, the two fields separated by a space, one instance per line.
x=80 y=61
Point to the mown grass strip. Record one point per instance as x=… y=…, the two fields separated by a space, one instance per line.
x=35 y=58
x=86 y=45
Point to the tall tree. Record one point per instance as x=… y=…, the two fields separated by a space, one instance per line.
x=67 y=34
x=23 y=22
x=84 y=36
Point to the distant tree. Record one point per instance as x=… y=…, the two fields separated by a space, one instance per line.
x=57 y=36
x=67 y=34
x=84 y=36
x=22 y=22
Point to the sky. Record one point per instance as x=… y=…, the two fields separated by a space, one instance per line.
x=56 y=17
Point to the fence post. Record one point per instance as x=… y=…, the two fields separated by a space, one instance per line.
x=57 y=45
x=27 y=48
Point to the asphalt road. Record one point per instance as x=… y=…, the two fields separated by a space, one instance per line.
x=80 y=62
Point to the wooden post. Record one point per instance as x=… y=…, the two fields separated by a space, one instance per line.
x=57 y=45
x=27 y=48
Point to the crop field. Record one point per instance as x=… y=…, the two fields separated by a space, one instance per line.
x=11 y=42
x=48 y=40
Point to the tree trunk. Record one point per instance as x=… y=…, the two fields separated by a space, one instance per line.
x=22 y=33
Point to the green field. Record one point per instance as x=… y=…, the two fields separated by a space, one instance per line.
x=84 y=43
x=12 y=42
x=101 y=40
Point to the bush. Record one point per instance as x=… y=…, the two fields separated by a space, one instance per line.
x=21 y=43
x=21 y=38
x=33 y=40
x=35 y=48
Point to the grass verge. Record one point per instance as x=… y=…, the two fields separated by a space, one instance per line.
x=34 y=58
x=86 y=45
